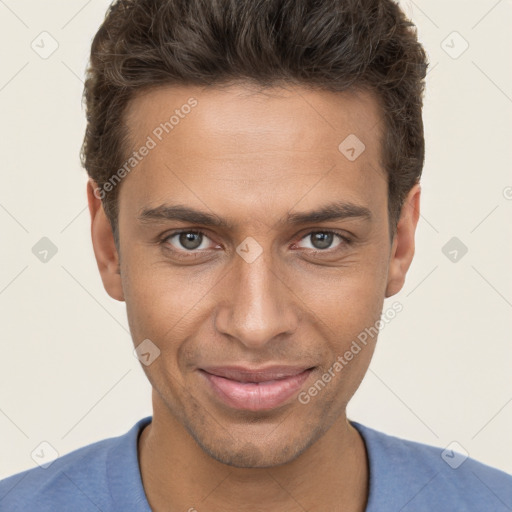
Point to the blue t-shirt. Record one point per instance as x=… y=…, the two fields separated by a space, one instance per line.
x=403 y=476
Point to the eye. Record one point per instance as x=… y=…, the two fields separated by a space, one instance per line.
x=192 y=243
x=323 y=240
x=187 y=240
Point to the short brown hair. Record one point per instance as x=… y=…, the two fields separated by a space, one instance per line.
x=333 y=45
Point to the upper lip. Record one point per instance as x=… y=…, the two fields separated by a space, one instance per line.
x=244 y=374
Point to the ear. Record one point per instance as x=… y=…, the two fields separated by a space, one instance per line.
x=402 y=250
x=103 y=243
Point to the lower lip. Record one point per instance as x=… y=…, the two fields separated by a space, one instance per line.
x=253 y=396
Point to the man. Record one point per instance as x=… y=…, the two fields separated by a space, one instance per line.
x=254 y=193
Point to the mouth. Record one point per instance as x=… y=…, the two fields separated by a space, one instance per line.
x=255 y=389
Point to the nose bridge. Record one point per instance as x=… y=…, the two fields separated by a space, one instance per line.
x=258 y=305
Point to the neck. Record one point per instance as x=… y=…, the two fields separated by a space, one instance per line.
x=177 y=474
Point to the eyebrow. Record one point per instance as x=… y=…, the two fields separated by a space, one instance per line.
x=333 y=211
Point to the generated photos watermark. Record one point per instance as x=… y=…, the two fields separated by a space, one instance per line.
x=354 y=349
x=157 y=135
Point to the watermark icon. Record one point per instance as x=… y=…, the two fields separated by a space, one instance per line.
x=351 y=147
x=507 y=193
x=44 y=454
x=454 y=454
x=45 y=45
x=249 y=249
x=454 y=249
x=152 y=141
x=454 y=45
x=354 y=349
x=44 y=250
x=146 y=352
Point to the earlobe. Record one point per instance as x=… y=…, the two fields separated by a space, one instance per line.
x=402 y=251
x=103 y=243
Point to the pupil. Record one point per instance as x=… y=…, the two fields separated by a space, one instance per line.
x=322 y=240
x=187 y=240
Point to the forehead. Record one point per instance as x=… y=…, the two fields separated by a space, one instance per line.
x=260 y=147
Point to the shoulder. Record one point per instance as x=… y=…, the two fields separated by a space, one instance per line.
x=71 y=478
x=80 y=480
x=407 y=475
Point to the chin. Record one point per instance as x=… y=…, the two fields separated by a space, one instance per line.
x=245 y=452
x=249 y=455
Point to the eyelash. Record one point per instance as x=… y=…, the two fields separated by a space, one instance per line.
x=196 y=253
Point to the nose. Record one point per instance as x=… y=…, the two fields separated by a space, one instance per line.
x=258 y=304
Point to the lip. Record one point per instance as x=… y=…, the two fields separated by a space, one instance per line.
x=255 y=389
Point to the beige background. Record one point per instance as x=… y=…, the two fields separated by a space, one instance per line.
x=442 y=369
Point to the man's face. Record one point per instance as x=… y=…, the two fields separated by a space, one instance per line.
x=253 y=159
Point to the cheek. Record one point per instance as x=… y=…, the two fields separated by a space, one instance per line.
x=348 y=318
x=346 y=297
x=345 y=306
x=160 y=300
